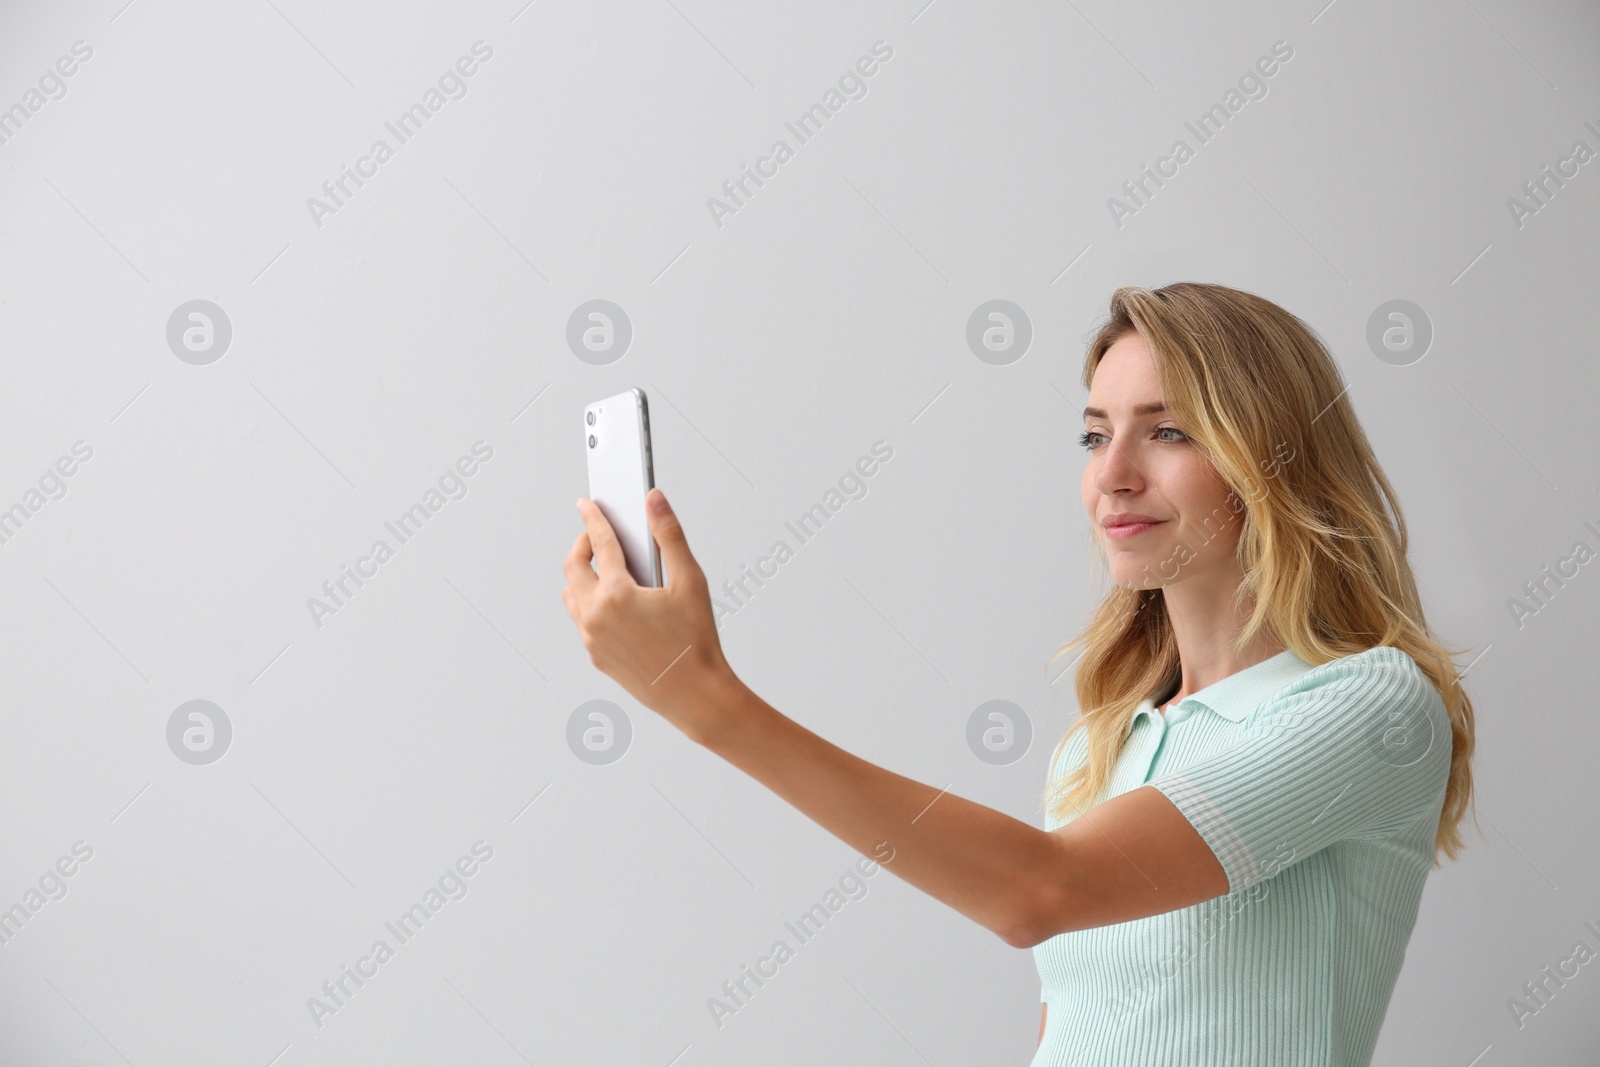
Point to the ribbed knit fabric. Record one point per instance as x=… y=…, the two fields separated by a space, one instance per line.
x=1319 y=789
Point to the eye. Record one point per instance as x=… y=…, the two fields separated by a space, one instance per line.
x=1085 y=437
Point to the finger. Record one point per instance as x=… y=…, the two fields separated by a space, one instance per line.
x=580 y=576
x=607 y=549
x=668 y=533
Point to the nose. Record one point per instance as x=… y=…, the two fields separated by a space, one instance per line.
x=1117 y=471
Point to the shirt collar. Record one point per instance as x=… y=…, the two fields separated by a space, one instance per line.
x=1241 y=692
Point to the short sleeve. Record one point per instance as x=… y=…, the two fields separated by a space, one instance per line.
x=1356 y=747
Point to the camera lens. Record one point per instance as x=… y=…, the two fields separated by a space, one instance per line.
x=591 y=440
x=589 y=417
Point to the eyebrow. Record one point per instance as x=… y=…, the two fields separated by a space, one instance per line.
x=1152 y=408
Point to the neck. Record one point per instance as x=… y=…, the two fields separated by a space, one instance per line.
x=1207 y=627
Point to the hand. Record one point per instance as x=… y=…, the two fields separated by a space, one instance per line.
x=661 y=645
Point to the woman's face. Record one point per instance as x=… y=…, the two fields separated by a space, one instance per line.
x=1141 y=463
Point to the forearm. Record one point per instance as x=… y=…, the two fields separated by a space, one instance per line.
x=985 y=864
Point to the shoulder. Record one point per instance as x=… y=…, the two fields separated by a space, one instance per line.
x=1381 y=694
x=1382 y=672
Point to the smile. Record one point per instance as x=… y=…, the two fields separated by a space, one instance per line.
x=1132 y=529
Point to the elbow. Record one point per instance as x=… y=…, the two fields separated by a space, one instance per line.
x=1035 y=919
x=1044 y=903
x=1021 y=938
x=1026 y=935
x=1017 y=937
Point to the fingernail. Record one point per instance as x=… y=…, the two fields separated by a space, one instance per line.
x=658 y=504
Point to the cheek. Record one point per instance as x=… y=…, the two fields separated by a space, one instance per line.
x=1215 y=518
x=1197 y=493
x=1196 y=486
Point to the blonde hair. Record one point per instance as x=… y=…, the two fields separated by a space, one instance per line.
x=1324 y=563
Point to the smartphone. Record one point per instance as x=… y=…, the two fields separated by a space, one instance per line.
x=616 y=435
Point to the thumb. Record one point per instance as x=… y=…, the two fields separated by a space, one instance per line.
x=668 y=533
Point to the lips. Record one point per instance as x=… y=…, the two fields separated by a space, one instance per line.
x=1121 y=529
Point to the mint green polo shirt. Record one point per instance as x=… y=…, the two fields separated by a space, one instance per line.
x=1319 y=789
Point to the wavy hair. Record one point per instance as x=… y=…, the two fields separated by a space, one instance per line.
x=1322 y=547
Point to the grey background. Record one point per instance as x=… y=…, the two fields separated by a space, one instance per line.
x=430 y=312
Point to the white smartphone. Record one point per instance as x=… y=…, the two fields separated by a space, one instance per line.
x=616 y=435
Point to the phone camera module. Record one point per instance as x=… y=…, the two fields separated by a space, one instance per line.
x=592 y=440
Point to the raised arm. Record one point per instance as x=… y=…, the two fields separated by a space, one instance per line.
x=1134 y=856
x=1131 y=857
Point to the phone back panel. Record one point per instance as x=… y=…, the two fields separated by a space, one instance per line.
x=620 y=474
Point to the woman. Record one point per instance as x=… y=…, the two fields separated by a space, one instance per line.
x=1273 y=748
